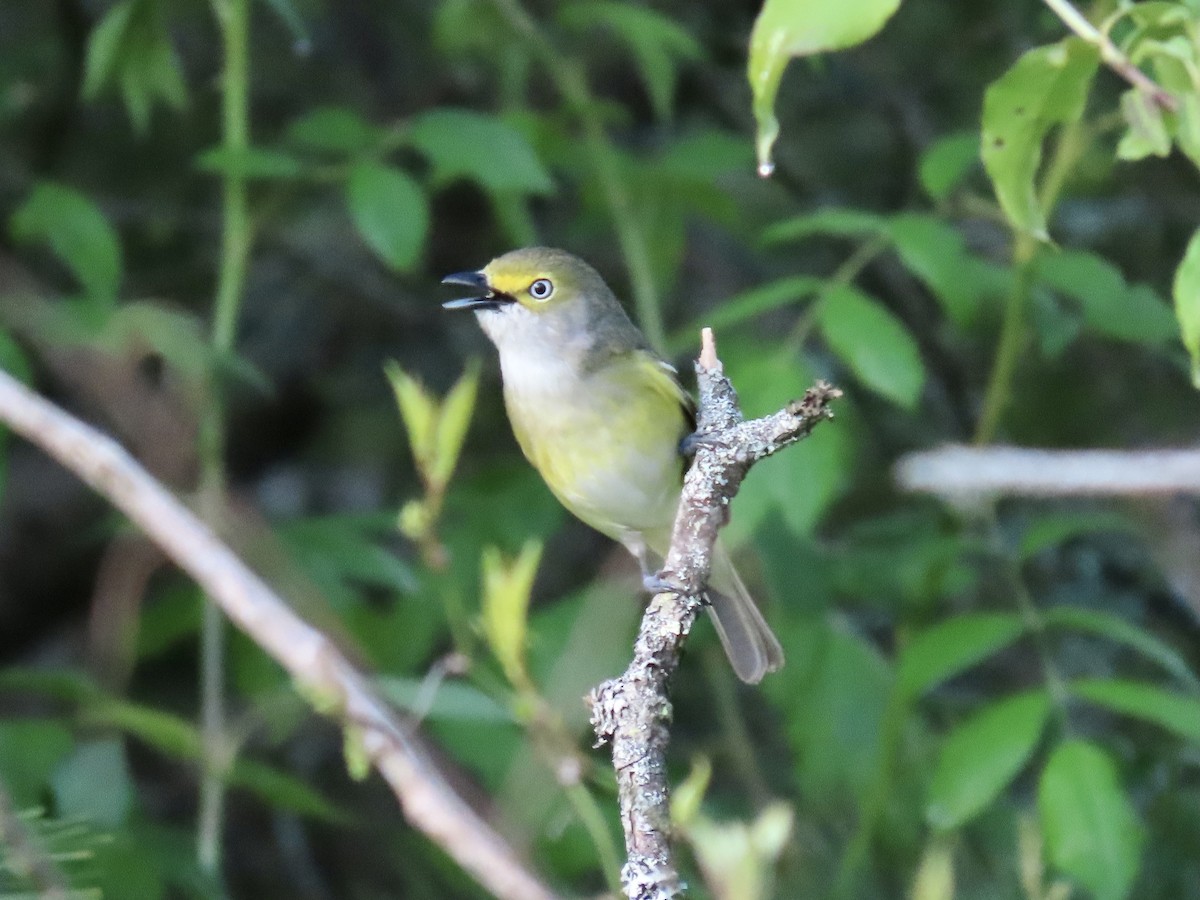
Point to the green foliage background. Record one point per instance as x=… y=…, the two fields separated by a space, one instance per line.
x=225 y=224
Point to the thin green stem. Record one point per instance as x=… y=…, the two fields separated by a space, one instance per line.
x=1071 y=145
x=1012 y=339
x=233 y=17
x=572 y=86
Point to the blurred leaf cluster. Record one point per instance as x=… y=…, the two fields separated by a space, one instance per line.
x=974 y=226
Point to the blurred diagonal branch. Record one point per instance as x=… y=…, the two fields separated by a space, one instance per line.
x=633 y=711
x=316 y=664
x=959 y=472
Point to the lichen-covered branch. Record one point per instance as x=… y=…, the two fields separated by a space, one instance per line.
x=633 y=712
x=316 y=664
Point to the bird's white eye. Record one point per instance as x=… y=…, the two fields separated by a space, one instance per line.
x=541 y=289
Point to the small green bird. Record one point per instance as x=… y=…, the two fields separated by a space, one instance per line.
x=601 y=417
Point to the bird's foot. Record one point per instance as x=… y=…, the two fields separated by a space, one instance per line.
x=694 y=441
x=655 y=583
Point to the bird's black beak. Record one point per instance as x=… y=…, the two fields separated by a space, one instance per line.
x=484 y=297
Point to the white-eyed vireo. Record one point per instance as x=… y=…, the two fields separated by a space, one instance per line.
x=601 y=417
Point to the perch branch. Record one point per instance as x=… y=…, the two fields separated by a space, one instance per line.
x=958 y=472
x=633 y=712
x=1111 y=54
x=316 y=664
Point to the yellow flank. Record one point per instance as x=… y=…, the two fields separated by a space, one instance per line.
x=607 y=445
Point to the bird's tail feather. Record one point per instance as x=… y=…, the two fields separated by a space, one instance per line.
x=751 y=646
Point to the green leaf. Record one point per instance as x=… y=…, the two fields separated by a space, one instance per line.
x=1047 y=531
x=290 y=16
x=338 y=551
x=748 y=304
x=390 y=212
x=874 y=344
x=1047 y=86
x=420 y=412
x=77 y=232
x=335 y=129
x=1109 y=305
x=1178 y=713
x=950 y=647
x=94 y=783
x=982 y=756
x=946 y=162
x=464 y=144
x=657 y=43
x=1116 y=629
x=454 y=419
x=803 y=482
x=1187 y=303
x=30 y=750
x=789 y=28
x=834 y=221
x=935 y=252
x=132 y=50
x=1092 y=831
x=507 y=587
x=1146 y=133
x=251 y=162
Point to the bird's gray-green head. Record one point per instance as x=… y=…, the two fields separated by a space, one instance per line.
x=544 y=296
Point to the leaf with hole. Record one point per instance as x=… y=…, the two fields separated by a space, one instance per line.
x=1047 y=86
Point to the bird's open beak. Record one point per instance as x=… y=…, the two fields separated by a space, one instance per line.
x=484 y=297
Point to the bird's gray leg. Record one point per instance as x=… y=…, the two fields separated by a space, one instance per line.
x=652 y=579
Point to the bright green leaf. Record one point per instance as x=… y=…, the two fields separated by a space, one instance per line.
x=1091 y=829
x=420 y=412
x=935 y=252
x=507 y=587
x=334 y=129
x=747 y=305
x=874 y=344
x=78 y=234
x=1113 y=627
x=452 y=424
x=1047 y=86
x=1109 y=305
x=834 y=221
x=464 y=144
x=687 y=797
x=658 y=44
x=789 y=28
x=946 y=161
x=1146 y=133
x=131 y=49
x=30 y=750
x=950 y=647
x=935 y=874
x=94 y=783
x=250 y=162
x=1178 y=713
x=390 y=212
x=982 y=756
x=1187 y=303
x=801 y=483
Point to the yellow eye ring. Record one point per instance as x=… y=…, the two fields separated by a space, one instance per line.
x=542 y=289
